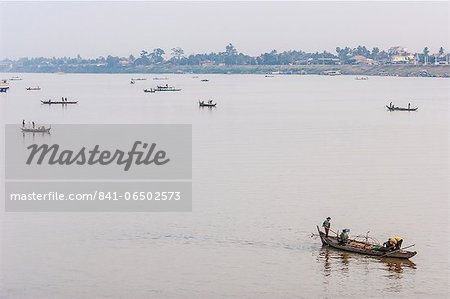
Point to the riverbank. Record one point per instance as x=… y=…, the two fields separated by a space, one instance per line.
x=358 y=70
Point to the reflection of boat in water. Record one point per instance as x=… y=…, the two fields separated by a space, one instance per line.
x=364 y=247
x=167 y=88
x=50 y=102
x=41 y=129
x=330 y=255
x=149 y=90
x=33 y=88
x=207 y=104
x=4 y=86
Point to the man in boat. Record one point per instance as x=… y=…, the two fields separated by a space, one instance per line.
x=395 y=243
x=344 y=236
x=326 y=225
x=33 y=124
x=23 y=123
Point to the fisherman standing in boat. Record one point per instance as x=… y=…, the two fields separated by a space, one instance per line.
x=23 y=123
x=326 y=225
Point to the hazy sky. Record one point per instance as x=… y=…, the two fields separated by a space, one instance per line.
x=92 y=29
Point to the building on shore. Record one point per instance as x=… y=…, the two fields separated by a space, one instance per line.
x=359 y=59
x=401 y=55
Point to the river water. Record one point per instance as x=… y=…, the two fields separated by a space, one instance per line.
x=275 y=158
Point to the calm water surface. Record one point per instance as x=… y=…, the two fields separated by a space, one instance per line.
x=274 y=159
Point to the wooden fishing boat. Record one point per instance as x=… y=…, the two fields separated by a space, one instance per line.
x=364 y=247
x=36 y=130
x=167 y=88
x=393 y=108
x=203 y=104
x=4 y=86
x=149 y=90
x=33 y=88
x=49 y=102
x=204 y=80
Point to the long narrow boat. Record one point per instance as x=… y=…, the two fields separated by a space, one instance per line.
x=401 y=109
x=167 y=88
x=33 y=88
x=59 y=102
x=202 y=104
x=364 y=248
x=36 y=130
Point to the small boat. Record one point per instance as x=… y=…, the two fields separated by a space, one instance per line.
x=364 y=247
x=33 y=88
x=207 y=104
x=204 y=80
x=50 y=102
x=4 y=86
x=167 y=88
x=138 y=79
x=132 y=82
x=393 y=108
x=160 y=78
x=36 y=130
x=150 y=90
x=15 y=78
x=269 y=76
x=362 y=78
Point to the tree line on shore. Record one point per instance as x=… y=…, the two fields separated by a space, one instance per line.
x=229 y=57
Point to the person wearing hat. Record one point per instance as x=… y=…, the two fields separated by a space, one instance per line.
x=326 y=225
x=395 y=242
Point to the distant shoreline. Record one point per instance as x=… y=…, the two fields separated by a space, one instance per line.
x=400 y=70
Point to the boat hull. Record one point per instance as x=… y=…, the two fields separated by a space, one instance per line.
x=334 y=242
x=46 y=130
x=401 y=109
x=59 y=102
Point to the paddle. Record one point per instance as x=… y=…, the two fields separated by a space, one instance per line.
x=398 y=250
